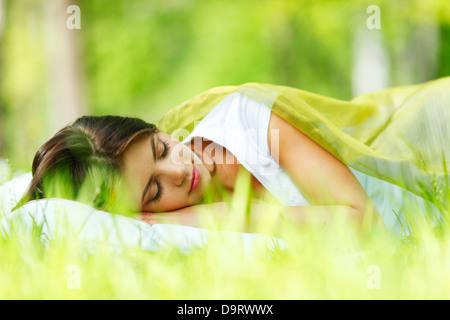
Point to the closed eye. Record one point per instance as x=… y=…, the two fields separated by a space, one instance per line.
x=158 y=193
x=158 y=185
x=166 y=150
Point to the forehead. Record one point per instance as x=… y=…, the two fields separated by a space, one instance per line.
x=137 y=162
x=142 y=147
x=138 y=149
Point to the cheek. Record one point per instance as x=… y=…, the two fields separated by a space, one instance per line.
x=205 y=181
x=172 y=199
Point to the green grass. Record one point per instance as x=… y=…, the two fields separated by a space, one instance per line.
x=319 y=263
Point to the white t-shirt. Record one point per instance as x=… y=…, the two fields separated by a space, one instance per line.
x=240 y=124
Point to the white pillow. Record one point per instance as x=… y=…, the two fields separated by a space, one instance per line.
x=58 y=218
x=12 y=191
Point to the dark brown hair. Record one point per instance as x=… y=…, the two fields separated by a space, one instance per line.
x=85 y=154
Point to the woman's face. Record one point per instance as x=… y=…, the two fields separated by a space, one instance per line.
x=163 y=174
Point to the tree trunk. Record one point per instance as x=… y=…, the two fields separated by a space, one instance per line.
x=370 y=62
x=65 y=76
x=2 y=126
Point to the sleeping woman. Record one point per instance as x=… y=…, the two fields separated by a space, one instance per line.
x=319 y=158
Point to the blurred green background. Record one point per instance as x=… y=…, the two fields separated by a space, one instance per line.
x=143 y=57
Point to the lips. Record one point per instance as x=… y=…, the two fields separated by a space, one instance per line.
x=195 y=179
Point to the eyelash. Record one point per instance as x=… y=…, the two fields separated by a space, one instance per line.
x=166 y=150
x=158 y=194
x=158 y=185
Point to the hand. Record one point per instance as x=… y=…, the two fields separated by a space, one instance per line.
x=183 y=216
x=215 y=215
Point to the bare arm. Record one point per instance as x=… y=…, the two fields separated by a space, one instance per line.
x=194 y=216
x=220 y=216
x=322 y=178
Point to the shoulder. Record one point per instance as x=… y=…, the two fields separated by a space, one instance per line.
x=287 y=143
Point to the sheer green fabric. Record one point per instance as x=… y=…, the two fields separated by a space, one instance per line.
x=400 y=135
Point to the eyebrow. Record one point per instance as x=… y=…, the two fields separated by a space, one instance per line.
x=149 y=183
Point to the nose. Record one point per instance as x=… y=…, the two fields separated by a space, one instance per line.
x=175 y=173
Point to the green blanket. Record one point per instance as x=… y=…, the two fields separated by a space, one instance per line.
x=400 y=134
